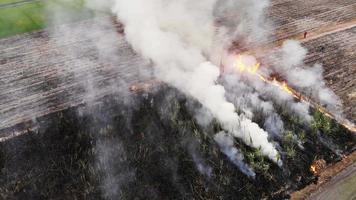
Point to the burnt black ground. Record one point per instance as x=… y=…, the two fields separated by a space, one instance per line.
x=145 y=150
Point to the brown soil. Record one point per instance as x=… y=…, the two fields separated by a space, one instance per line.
x=325 y=176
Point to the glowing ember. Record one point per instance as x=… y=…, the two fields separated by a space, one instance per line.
x=313 y=169
x=317 y=166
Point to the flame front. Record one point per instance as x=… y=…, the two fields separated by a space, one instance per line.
x=284 y=86
x=243 y=66
x=252 y=67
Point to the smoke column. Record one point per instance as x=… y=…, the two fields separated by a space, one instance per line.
x=177 y=36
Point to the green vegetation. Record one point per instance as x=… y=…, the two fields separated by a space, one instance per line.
x=2 y=2
x=289 y=141
x=291 y=151
x=323 y=123
x=258 y=161
x=20 y=19
x=35 y=15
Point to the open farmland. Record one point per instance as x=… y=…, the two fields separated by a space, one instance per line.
x=331 y=27
x=292 y=18
x=48 y=77
x=18 y=16
x=33 y=65
x=336 y=52
x=39 y=75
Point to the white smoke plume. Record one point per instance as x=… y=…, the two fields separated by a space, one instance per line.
x=306 y=78
x=226 y=144
x=247 y=99
x=177 y=36
x=280 y=97
x=185 y=40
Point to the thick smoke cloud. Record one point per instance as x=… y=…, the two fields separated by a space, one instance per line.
x=179 y=53
x=188 y=43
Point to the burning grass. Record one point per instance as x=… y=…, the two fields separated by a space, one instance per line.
x=244 y=64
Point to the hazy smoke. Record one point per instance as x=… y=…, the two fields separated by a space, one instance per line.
x=113 y=164
x=177 y=36
x=94 y=53
x=201 y=165
x=305 y=78
x=244 y=21
x=226 y=144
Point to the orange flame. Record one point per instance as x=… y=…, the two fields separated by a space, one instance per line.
x=284 y=86
x=242 y=66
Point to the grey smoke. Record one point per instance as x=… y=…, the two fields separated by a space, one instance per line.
x=248 y=100
x=226 y=144
x=201 y=165
x=112 y=162
x=306 y=78
x=85 y=48
x=274 y=125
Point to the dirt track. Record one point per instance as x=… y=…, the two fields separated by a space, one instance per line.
x=342 y=186
x=335 y=182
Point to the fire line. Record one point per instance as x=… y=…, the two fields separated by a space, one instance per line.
x=253 y=69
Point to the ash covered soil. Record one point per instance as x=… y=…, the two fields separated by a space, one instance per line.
x=155 y=150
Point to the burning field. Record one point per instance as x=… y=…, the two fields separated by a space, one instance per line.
x=216 y=99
